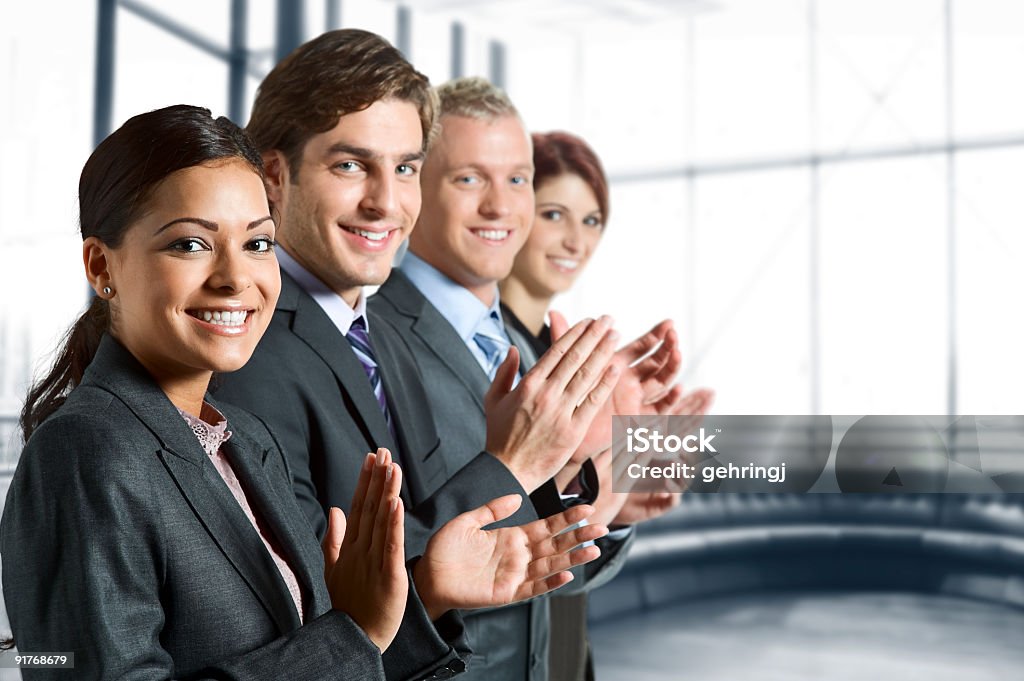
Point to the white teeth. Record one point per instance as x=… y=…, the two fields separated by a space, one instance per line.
x=372 y=236
x=492 y=234
x=565 y=264
x=223 y=318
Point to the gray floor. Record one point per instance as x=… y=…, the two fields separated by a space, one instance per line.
x=804 y=636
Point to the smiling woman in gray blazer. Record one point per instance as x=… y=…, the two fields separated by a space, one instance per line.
x=152 y=531
x=140 y=532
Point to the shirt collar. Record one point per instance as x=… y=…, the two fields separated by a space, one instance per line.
x=339 y=312
x=458 y=305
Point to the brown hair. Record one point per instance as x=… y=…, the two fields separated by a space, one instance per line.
x=337 y=73
x=116 y=185
x=560 y=153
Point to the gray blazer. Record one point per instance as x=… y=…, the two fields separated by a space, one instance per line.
x=121 y=543
x=511 y=643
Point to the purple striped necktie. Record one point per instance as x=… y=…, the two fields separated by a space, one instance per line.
x=359 y=338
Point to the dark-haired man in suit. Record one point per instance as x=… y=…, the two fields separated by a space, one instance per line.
x=343 y=124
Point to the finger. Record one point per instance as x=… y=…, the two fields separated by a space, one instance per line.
x=374 y=495
x=639 y=347
x=331 y=545
x=696 y=403
x=657 y=359
x=667 y=405
x=545 y=528
x=549 y=565
x=493 y=511
x=553 y=357
x=668 y=371
x=504 y=377
x=567 y=541
x=540 y=587
x=582 y=367
x=392 y=487
x=590 y=406
x=394 y=542
x=355 y=512
x=558 y=325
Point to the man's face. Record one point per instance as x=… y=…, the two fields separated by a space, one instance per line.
x=478 y=201
x=355 y=195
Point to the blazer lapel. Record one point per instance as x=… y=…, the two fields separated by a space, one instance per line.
x=117 y=370
x=313 y=326
x=290 y=530
x=437 y=334
x=414 y=425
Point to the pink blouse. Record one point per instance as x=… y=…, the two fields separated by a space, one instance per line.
x=211 y=438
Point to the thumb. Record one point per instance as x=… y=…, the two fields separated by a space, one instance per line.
x=558 y=325
x=504 y=377
x=331 y=544
x=493 y=511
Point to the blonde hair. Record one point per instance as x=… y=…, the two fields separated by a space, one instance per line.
x=474 y=97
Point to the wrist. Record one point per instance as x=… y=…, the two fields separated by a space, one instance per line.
x=526 y=479
x=567 y=475
x=424 y=587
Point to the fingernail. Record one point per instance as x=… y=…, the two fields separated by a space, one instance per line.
x=368 y=461
x=387 y=476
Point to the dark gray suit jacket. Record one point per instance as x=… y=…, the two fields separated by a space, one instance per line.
x=510 y=643
x=121 y=543
x=305 y=381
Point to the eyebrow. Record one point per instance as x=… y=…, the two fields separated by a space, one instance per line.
x=364 y=153
x=212 y=226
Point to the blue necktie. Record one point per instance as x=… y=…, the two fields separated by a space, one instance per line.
x=359 y=338
x=492 y=340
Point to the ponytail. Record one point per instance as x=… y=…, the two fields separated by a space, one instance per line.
x=76 y=352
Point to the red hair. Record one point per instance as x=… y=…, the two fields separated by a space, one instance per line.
x=560 y=153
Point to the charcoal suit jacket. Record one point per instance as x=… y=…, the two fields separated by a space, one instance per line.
x=122 y=543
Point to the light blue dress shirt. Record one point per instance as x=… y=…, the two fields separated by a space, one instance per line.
x=463 y=310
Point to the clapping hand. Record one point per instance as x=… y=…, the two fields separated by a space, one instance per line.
x=465 y=566
x=364 y=563
x=534 y=428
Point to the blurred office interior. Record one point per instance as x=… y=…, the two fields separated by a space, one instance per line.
x=824 y=194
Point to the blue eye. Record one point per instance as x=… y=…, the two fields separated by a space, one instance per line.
x=552 y=215
x=189 y=245
x=347 y=166
x=261 y=244
x=593 y=221
x=467 y=179
x=519 y=180
x=406 y=169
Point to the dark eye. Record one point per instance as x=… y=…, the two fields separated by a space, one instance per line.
x=406 y=169
x=551 y=215
x=261 y=244
x=189 y=245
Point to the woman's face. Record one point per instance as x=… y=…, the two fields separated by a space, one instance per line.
x=195 y=279
x=566 y=229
